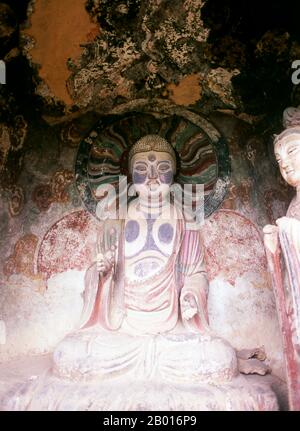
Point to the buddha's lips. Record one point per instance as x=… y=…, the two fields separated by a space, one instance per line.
x=153 y=185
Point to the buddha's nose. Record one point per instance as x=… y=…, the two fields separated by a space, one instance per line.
x=152 y=173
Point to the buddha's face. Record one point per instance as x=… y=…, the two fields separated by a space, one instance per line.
x=152 y=174
x=287 y=153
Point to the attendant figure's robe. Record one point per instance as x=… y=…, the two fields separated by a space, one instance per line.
x=289 y=235
x=286 y=283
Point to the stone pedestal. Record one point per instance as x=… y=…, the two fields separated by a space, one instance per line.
x=52 y=393
x=30 y=384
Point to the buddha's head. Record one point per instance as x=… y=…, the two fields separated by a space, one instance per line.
x=287 y=153
x=152 y=164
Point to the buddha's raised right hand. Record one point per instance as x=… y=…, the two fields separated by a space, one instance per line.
x=106 y=254
x=105 y=261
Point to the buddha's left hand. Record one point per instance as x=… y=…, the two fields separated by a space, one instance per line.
x=189 y=306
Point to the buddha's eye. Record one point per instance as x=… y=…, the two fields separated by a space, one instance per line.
x=164 y=167
x=140 y=168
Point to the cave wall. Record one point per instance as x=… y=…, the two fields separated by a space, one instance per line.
x=68 y=67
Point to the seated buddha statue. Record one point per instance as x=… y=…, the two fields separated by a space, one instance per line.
x=145 y=297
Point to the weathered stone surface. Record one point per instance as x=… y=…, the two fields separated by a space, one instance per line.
x=72 y=27
x=115 y=395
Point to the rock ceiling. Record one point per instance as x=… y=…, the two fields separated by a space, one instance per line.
x=70 y=57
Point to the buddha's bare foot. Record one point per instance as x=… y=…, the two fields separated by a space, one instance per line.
x=253 y=366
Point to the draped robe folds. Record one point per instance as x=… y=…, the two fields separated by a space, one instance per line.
x=286 y=283
x=289 y=235
x=139 y=327
x=105 y=300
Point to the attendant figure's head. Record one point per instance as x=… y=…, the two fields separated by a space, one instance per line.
x=152 y=164
x=287 y=147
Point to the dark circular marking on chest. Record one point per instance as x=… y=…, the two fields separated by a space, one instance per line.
x=165 y=233
x=132 y=230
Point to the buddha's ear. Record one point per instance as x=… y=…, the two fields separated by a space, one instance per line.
x=175 y=172
x=177 y=164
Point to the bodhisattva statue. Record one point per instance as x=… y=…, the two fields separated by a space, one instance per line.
x=284 y=239
x=145 y=298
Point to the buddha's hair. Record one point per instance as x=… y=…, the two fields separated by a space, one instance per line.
x=291 y=123
x=152 y=143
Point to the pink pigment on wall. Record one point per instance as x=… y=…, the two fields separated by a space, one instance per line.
x=233 y=246
x=68 y=244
